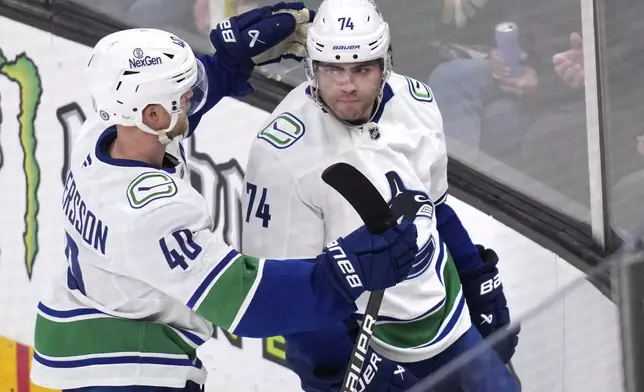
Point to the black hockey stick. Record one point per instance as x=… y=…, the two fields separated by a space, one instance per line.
x=374 y=211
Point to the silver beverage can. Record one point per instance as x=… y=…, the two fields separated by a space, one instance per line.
x=507 y=42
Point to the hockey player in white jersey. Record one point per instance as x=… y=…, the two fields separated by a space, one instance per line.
x=355 y=109
x=147 y=280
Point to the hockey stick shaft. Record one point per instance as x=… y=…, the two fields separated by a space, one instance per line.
x=359 y=352
x=374 y=211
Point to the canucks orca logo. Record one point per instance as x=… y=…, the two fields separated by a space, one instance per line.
x=406 y=203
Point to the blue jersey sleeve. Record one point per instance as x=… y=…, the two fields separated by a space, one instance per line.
x=464 y=253
x=243 y=294
x=223 y=81
x=292 y=296
x=320 y=357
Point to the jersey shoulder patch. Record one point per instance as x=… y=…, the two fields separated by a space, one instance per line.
x=284 y=131
x=419 y=90
x=150 y=186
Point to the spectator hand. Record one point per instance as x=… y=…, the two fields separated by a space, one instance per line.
x=201 y=15
x=460 y=11
x=640 y=145
x=519 y=86
x=569 y=65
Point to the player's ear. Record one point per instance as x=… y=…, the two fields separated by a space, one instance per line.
x=153 y=116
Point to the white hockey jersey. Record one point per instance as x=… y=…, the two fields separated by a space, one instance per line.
x=109 y=205
x=291 y=212
x=147 y=278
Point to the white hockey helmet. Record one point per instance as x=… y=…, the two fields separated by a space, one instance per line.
x=347 y=31
x=132 y=69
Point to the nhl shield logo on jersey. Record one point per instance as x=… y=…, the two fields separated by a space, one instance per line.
x=150 y=186
x=283 y=131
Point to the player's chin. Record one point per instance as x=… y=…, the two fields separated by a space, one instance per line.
x=349 y=113
x=181 y=127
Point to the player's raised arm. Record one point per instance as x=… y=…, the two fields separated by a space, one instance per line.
x=257 y=37
x=171 y=248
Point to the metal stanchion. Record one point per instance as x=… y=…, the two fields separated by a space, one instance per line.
x=629 y=291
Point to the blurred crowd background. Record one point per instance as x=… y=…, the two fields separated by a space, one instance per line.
x=528 y=128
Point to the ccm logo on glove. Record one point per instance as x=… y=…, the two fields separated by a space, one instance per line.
x=490 y=285
x=345 y=265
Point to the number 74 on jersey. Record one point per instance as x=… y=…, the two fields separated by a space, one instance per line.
x=262 y=210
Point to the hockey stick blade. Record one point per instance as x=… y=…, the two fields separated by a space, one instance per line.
x=361 y=194
x=374 y=211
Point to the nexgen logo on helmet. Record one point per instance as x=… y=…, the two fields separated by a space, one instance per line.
x=131 y=69
x=145 y=61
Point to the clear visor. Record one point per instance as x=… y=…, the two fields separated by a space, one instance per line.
x=342 y=73
x=199 y=90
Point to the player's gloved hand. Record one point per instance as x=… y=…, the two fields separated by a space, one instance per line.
x=362 y=261
x=263 y=35
x=379 y=374
x=488 y=307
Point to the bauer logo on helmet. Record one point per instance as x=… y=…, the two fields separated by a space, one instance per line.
x=346 y=47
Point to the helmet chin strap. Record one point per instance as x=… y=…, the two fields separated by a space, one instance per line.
x=162 y=134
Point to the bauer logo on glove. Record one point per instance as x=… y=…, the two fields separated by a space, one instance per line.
x=264 y=35
x=486 y=300
x=340 y=258
x=490 y=285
